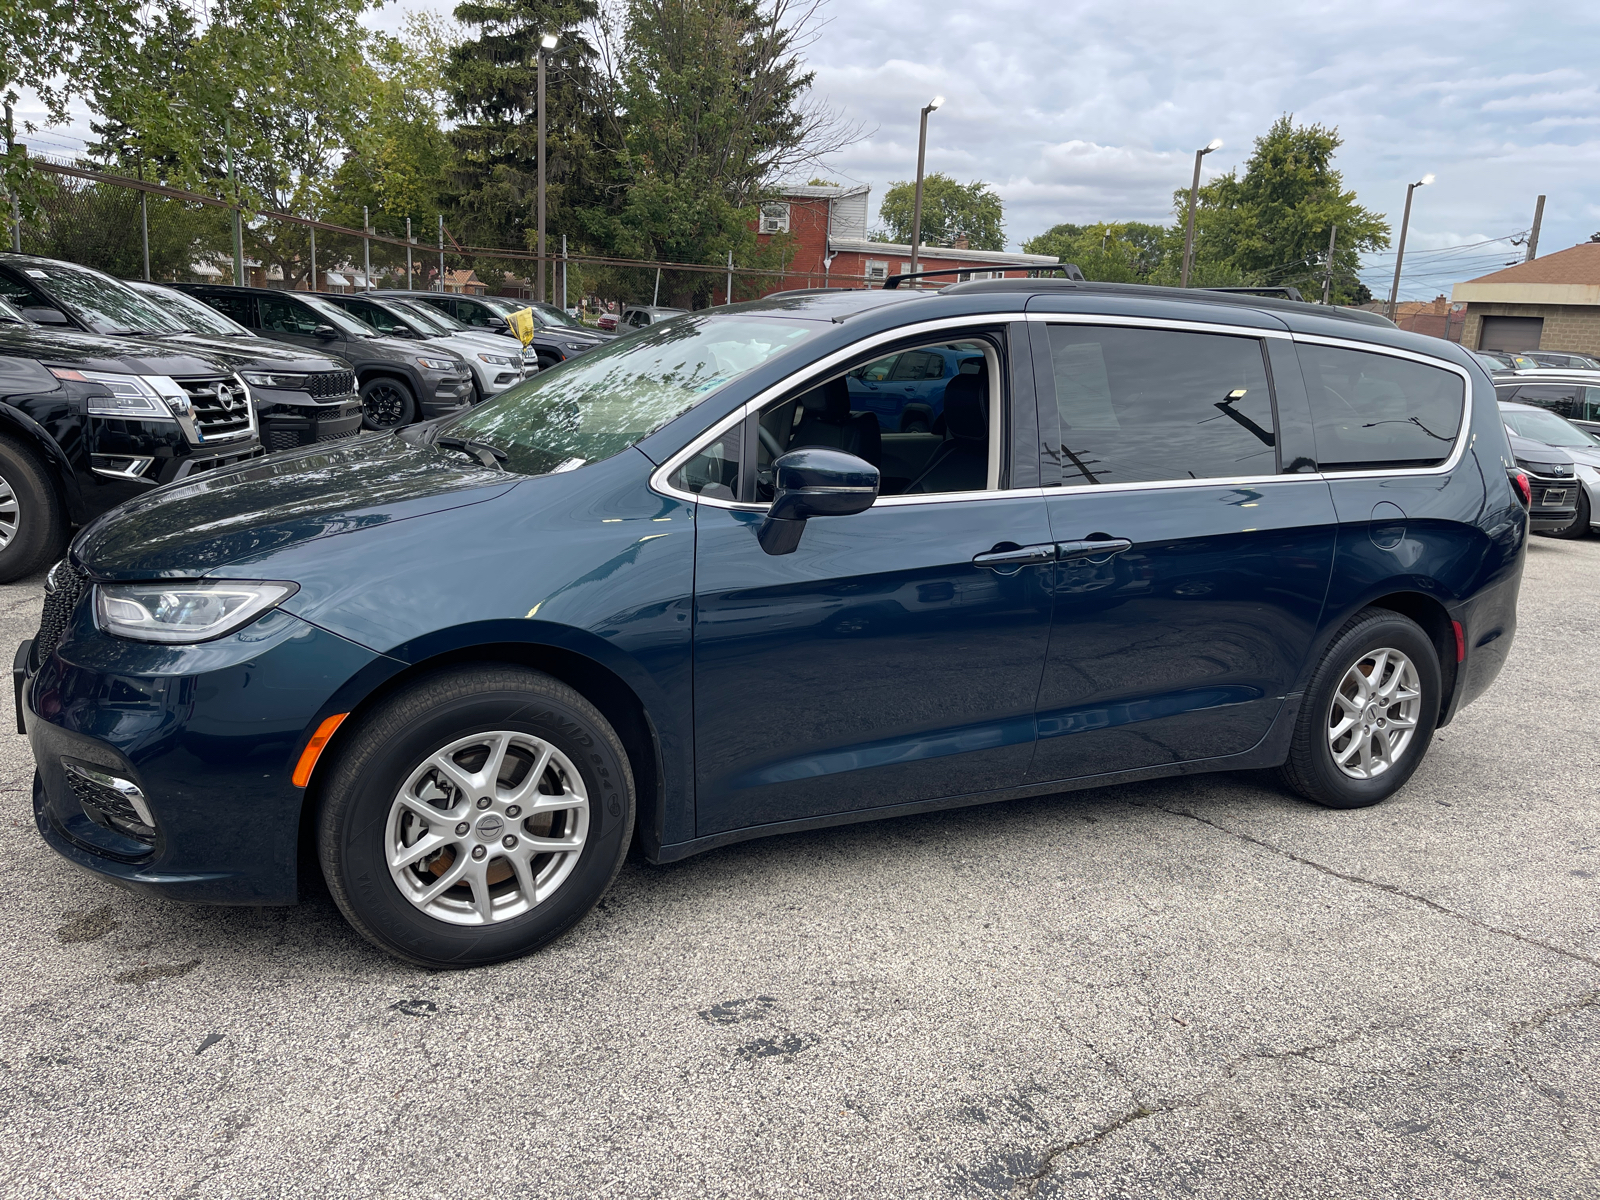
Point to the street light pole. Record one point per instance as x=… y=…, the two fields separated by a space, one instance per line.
x=1400 y=253
x=546 y=42
x=916 y=204
x=1194 y=194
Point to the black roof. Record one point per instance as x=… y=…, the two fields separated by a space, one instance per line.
x=1156 y=292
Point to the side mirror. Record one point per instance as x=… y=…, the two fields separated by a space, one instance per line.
x=814 y=483
x=326 y=332
x=43 y=315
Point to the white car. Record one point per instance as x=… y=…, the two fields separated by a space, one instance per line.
x=1542 y=425
x=496 y=362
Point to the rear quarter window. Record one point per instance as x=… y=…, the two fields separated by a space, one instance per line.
x=1372 y=411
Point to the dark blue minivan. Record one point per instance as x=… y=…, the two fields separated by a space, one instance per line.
x=683 y=588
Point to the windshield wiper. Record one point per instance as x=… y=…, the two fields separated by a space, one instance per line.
x=489 y=456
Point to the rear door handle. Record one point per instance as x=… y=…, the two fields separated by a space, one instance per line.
x=1006 y=555
x=1094 y=550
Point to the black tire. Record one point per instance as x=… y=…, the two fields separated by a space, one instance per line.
x=396 y=739
x=387 y=403
x=1580 y=521
x=1311 y=769
x=32 y=513
x=546 y=361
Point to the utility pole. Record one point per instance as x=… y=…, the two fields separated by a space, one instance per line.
x=409 y=240
x=1327 y=278
x=1533 y=237
x=366 y=247
x=16 y=204
x=238 y=225
x=441 y=252
x=563 y=272
x=144 y=221
x=546 y=42
x=1194 y=195
x=656 y=299
x=730 y=276
x=916 y=203
x=1400 y=253
x=313 y=258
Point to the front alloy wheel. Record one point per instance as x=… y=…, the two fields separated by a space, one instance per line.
x=486 y=827
x=473 y=816
x=386 y=404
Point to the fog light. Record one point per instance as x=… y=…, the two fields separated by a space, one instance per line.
x=120 y=800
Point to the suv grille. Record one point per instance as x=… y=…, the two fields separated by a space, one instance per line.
x=221 y=406
x=331 y=383
x=63 y=588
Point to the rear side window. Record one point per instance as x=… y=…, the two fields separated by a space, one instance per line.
x=1374 y=410
x=1147 y=405
x=1559 y=398
x=280 y=315
x=241 y=308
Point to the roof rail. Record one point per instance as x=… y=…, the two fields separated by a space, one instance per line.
x=1270 y=293
x=1070 y=270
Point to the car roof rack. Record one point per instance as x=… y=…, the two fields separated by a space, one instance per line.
x=1070 y=270
x=1269 y=293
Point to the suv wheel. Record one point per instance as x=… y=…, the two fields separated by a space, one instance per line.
x=1369 y=713
x=386 y=404
x=475 y=816
x=33 y=524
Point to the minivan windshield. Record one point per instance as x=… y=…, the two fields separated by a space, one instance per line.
x=604 y=401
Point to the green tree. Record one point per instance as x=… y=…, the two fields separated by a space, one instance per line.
x=1270 y=226
x=1117 y=252
x=707 y=103
x=950 y=210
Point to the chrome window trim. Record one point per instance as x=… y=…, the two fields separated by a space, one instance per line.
x=1181 y=326
x=659 y=477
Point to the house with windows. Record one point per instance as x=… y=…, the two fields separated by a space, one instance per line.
x=828 y=245
x=1551 y=303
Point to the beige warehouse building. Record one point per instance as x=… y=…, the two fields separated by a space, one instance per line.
x=1551 y=303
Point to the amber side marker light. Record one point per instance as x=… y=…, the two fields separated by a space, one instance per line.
x=313 y=750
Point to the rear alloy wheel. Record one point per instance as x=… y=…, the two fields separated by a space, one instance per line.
x=1369 y=713
x=475 y=816
x=33 y=523
x=1580 y=520
x=386 y=404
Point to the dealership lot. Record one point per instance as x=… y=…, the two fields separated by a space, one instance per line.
x=1195 y=987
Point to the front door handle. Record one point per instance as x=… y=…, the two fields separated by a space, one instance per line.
x=1007 y=555
x=1095 y=550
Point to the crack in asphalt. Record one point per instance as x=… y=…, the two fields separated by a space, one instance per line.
x=1391 y=888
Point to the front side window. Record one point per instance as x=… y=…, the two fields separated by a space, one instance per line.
x=919 y=364
x=1374 y=410
x=930 y=438
x=1588 y=408
x=601 y=403
x=380 y=319
x=279 y=314
x=1152 y=405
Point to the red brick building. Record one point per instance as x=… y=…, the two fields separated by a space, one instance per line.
x=827 y=226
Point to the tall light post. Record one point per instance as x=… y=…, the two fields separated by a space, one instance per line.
x=547 y=42
x=1194 y=194
x=916 y=204
x=1400 y=253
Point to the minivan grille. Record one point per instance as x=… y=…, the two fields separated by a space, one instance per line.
x=64 y=587
x=112 y=803
x=331 y=383
x=221 y=406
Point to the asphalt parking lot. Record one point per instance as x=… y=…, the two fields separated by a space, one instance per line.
x=1182 y=988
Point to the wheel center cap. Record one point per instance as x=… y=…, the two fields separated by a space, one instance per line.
x=490 y=826
x=1372 y=712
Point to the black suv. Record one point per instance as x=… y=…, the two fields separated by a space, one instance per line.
x=399 y=382
x=88 y=422
x=300 y=398
x=556 y=336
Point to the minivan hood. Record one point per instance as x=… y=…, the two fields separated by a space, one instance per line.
x=186 y=529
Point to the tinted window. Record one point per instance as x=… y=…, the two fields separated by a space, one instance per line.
x=1372 y=410
x=282 y=315
x=241 y=308
x=1589 y=407
x=1557 y=397
x=1142 y=405
x=380 y=319
x=919 y=364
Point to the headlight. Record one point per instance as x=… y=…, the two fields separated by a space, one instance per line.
x=184 y=612
x=438 y=364
x=576 y=345
x=499 y=360
x=155 y=397
x=275 y=380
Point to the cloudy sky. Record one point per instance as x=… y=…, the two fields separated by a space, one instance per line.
x=1079 y=111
